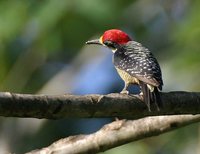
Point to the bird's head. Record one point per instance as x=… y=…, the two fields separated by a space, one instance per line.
x=112 y=39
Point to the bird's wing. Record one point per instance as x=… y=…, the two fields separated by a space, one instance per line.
x=139 y=62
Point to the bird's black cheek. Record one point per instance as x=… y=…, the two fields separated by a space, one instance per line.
x=110 y=44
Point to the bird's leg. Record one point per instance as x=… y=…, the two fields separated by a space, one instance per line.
x=141 y=95
x=124 y=90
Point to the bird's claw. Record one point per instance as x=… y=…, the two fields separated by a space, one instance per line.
x=124 y=92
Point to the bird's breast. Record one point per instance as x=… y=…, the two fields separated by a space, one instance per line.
x=127 y=77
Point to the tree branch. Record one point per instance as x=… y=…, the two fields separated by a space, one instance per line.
x=112 y=105
x=94 y=106
x=118 y=133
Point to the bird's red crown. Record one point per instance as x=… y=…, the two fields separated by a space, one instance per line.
x=115 y=35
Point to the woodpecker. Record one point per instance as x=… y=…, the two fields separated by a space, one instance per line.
x=135 y=64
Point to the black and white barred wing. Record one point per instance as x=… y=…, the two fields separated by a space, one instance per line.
x=139 y=62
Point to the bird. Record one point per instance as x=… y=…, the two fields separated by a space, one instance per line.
x=135 y=64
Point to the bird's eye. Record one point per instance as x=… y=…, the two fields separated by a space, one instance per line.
x=110 y=44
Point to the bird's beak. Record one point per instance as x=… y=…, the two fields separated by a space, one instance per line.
x=97 y=41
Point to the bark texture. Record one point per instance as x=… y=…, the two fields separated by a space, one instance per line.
x=94 y=106
x=118 y=133
x=101 y=106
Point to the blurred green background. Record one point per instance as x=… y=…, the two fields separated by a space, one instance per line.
x=42 y=50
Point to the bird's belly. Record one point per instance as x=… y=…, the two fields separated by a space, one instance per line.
x=127 y=77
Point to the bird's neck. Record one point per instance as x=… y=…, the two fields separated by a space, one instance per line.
x=118 y=55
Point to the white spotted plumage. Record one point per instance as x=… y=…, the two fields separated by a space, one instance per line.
x=135 y=64
x=139 y=62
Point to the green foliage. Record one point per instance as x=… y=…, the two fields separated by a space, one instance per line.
x=38 y=38
x=55 y=30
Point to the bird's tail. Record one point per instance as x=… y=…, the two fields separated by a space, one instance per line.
x=151 y=97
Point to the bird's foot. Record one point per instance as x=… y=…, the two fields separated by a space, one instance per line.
x=137 y=96
x=124 y=92
x=116 y=119
x=141 y=96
